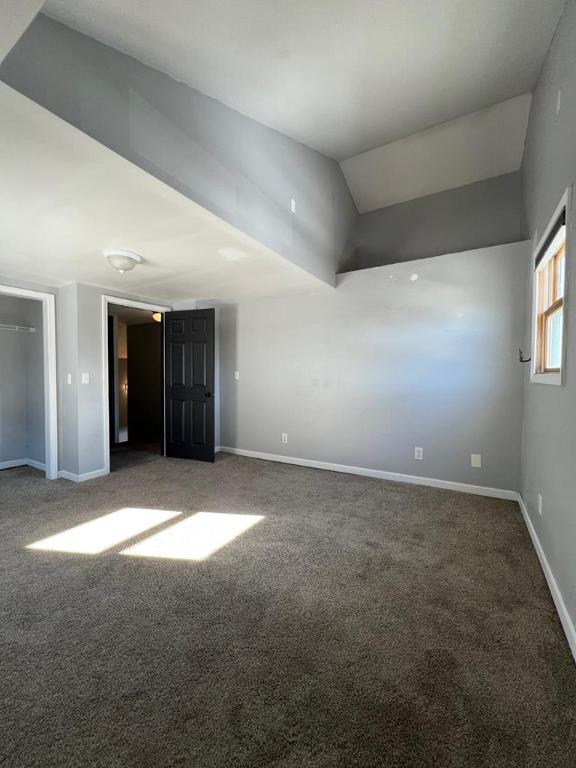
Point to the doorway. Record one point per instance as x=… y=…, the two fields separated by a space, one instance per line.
x=135 y=384
x=28 y=380
x=178 y=358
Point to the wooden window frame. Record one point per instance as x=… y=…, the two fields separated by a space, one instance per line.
x=546 y=301
x=554 y=302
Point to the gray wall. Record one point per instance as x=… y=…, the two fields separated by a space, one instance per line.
x=474 y=216
x=549 y=435
x=16 y=16
x=22 y=426
x=362 y=375
x=241 y=170
x=67 y=351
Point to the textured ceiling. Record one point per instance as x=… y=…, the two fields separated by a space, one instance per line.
x=340 y=76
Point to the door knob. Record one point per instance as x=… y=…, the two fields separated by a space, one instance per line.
x=208 y=394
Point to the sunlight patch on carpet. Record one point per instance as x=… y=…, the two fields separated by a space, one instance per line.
x=195 y=538
x=104 y=532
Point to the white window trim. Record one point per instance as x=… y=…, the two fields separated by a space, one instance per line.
x=555 y=379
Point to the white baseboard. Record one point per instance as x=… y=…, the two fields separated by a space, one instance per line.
x=36 y=464
x=478 y=490
x=13 y=463
x=22 y=463
x=565 y=619
x=81 y=478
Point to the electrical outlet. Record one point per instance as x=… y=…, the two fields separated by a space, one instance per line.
x=419 y=453
x=284 y=437
x=540 y=504
x=476 y=460
x=236 y=375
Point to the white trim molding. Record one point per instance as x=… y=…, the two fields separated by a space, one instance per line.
x=23 y=463
x=13 y=463
x=498 y=493
x=82 y=478
x=36 y=464
x=449 y=485
x=118 y=301
x=564 y=616
x=50 y=383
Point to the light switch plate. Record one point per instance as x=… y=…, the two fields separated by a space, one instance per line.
x=476 y=460
x=236 y=375
x=69 y=378
x=85 y=378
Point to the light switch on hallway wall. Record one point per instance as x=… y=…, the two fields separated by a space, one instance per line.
x=85 y=378
x=476 y=460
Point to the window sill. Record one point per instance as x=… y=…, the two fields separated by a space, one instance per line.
x=546 y=378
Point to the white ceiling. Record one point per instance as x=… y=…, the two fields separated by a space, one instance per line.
x=486 y=143
x=342 y=76
x=65 y=198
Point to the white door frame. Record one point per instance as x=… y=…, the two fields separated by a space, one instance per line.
x=50 y=383
x=105 y=393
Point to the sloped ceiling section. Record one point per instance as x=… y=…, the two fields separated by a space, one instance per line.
x=472 y=148
x=342 y=76
x=15 y=17
x=239 y=169
x=65 y=198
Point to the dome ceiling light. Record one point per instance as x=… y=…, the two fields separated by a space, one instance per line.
x=123 y=261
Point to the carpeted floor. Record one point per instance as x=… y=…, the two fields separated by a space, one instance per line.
x=360 y=624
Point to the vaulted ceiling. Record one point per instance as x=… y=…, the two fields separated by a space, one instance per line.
x=65 y=198
x=343 y=77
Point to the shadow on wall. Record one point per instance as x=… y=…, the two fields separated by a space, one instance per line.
x=479 y=215
x=238 y=168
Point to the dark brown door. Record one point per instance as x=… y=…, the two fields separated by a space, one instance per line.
x=189 y=384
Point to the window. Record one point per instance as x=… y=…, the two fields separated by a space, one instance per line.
x=549 y=283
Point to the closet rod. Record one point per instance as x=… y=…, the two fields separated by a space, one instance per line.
x=24 y=328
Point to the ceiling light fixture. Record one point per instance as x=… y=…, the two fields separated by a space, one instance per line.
x=123 y=261
x=157 y=316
